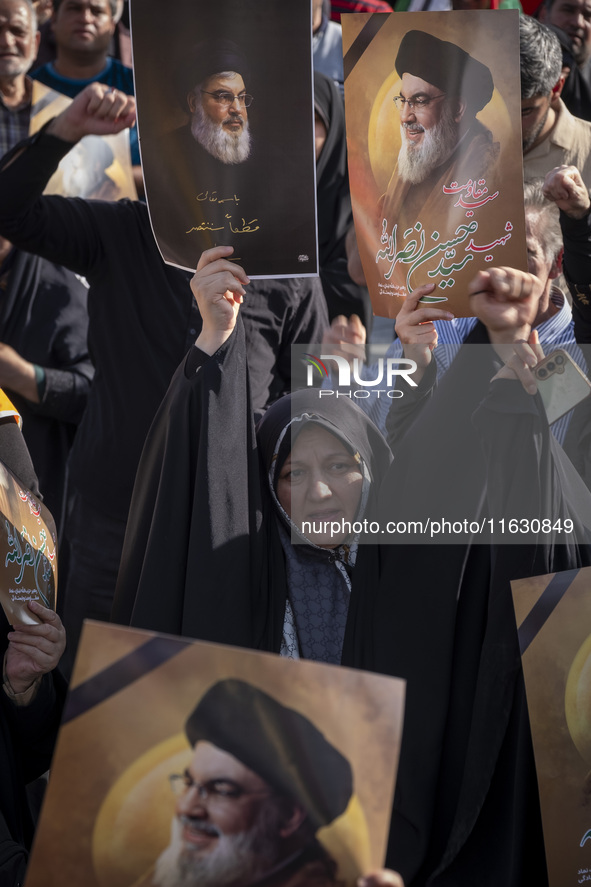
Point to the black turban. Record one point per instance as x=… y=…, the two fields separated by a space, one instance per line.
x=278 y=744
x=205 y=59
x=445 y=66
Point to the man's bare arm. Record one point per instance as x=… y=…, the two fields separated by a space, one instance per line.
x=17 y=374
x=564 y=185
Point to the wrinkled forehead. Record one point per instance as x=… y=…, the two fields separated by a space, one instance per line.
x=312 y=435
x=16 y=10
x=341 y=417
x=319 y=435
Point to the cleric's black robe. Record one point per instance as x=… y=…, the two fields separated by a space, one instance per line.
x=202 y=558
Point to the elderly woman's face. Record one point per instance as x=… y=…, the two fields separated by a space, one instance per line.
x=320 y=486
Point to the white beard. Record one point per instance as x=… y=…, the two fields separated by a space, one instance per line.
x=236 y=859
x=227 y=147
x=437 y=144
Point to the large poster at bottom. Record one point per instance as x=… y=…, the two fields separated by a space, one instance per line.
x=180 y=762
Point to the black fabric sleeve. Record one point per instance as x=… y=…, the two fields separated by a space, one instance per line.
x=66 y=392
x=305 y=324
x=60 y=229
x=196 y=358
x=528 y=474
x=15 y=455
x=405 y=410
x=195 y=510
x=34 y=727
x=474 y=356
x=13 y=857
x=576 y=234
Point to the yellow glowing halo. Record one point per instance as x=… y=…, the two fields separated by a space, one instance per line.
x=383 y=136
x=347 y=840
x=577 y=699
x=133 y=823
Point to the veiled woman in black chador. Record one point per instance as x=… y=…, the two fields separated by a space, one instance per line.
x=230 y=572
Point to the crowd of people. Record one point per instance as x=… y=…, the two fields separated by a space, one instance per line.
x=192 y=477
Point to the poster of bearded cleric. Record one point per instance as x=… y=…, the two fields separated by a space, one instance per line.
x=183 y=763
x=553 y=615
x=434 y=140
x=28 y=547
x=97 y=167
x=225 y=114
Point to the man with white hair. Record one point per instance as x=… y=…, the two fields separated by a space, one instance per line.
x=442 y=90
x=211 y=182
x=219 y=119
